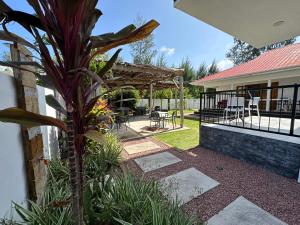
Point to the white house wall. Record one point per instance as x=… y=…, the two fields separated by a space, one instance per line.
x=13 y=185
x=254 y=78
x=289 y=92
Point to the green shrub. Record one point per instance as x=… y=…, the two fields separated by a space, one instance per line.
x=127 y=94
x=102 y=158
x=109 y=198
x=126 y=200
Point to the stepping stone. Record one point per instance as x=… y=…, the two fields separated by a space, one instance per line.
x=153 y=162
x=243 y=212
x=186 y=185
x=141 y=147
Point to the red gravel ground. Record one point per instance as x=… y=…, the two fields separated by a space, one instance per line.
x=277 y=195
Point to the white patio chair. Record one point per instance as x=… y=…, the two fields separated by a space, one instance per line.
x=253 y=105
x=236 y=105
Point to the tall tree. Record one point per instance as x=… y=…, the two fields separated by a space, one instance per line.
x=212 y=69
x=161 y=60
x=202 y=70
x=189 y=72
x=242 y=52
x=143 y=51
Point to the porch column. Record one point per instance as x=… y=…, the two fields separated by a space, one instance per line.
x=151 y=99
x=181 y=102
x=268 y=100
x=231 y=87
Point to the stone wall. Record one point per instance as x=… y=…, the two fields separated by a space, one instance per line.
x=281 y=157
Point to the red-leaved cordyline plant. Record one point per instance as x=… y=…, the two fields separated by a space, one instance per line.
x=68 y=25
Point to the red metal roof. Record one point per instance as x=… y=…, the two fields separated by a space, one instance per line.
x=281 y=58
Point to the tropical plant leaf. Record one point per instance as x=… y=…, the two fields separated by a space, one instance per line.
x=51 y=101
x=122 y=221
x=108 y=65
x=29 y=119
x=8 y=64
x=105 y=42
x=8 y=36
x=25 y=19
x=26 y=63
x=94 y=135
x=44 y=81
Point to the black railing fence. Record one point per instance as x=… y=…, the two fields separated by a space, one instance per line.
x=269 y=109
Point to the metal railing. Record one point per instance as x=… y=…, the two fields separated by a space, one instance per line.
x=268 y=109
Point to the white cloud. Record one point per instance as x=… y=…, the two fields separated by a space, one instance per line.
x=168 y=51
x=224 y=64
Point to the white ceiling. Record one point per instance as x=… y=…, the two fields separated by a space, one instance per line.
x=249 y=20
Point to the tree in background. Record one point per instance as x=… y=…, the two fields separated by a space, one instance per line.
x=242 y=52
x=212 y=69
x=202 y=71
x=161 y=60
x=143 y=51
x=189 y=72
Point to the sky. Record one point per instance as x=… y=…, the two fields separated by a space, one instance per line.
x=178 y=36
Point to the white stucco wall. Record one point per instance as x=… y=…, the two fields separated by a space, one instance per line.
x=287 y=93
x=52 y=132
x=12 y=167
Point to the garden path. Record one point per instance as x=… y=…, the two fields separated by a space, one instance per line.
x=217 y=187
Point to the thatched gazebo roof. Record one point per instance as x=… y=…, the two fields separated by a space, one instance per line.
x=141 y=76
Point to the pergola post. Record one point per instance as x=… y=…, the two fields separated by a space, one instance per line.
x=121 y=103
x=176 y=97
x=151 y=99
x=181 y=101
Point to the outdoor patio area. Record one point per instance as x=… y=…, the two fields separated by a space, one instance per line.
x=139 y=126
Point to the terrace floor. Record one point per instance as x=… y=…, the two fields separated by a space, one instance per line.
x=275 y=124
x=227 y=189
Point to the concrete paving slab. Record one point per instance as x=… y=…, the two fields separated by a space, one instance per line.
x=156 y=161
x=141 y=147
x=243 y=212
x=186 y=185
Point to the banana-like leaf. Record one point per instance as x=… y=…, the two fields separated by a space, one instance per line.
x=103 y=43
x=109 y=64
x=8 y=36
x=29 y=119
x=94 y=135
x=51 y=101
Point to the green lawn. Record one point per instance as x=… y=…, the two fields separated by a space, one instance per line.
x=184 y=139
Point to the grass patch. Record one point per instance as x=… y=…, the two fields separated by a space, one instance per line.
x=184 y=139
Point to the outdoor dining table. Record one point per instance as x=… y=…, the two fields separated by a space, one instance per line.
x=162 y=116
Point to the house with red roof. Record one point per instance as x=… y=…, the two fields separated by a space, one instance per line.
x=273 y=68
